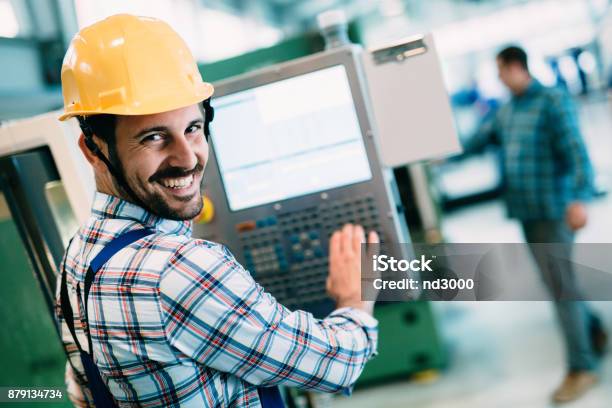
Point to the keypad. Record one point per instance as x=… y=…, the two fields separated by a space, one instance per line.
x=287 y=254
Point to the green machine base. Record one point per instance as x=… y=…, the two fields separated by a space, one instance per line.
x=408 y=342
x=31 y=354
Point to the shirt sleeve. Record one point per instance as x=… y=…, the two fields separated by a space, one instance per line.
x=486 y=135
x=568 y=145
x=217 y=315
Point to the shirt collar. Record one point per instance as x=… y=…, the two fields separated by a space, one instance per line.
x=108 y=206
x=534 y=86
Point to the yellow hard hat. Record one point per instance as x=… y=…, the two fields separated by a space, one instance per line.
x=129 y=65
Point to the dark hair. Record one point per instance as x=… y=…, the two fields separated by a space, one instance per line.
x=513 y=54
x=104 y=127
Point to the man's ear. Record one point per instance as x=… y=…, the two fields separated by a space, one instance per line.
x=91 y=157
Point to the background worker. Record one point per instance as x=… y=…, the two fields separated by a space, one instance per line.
x=547 y=178
x=175 y=320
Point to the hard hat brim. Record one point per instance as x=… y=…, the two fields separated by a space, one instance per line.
x=203 y=91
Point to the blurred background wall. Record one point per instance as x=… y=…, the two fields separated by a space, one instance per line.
x=568 y=41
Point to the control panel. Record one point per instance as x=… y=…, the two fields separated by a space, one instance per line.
x=287 y=254
x=293 y=159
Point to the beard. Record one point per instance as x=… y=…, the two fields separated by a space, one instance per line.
x=158 y=206
x=154 y=202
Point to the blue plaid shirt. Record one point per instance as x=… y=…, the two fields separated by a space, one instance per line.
x=176 y=321
x=545 y=165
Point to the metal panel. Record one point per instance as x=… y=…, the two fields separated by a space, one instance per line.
x=414 y=120
x=24 y=177
x=61 y=138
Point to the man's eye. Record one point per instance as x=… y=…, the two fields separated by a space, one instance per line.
x=193 y=128
x=154 y=137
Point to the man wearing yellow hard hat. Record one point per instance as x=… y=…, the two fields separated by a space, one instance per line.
x=149 y=315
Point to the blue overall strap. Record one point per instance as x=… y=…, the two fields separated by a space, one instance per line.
x=100 y=393
x=116 y=245
x=270 y=397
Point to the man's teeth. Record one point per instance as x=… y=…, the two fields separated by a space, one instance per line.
x=178 y=182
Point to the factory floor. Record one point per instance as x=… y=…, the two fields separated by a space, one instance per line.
x=502 y=354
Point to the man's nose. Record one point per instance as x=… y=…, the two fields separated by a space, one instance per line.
x=182 y=153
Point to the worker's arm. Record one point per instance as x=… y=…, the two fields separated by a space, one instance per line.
x=486 y=135
x=568 y=145
x=217 y=315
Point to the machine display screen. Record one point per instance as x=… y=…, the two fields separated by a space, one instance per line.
x=289 y=138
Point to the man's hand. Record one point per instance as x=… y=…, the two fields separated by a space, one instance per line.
x=344 y=280
x=576 y=216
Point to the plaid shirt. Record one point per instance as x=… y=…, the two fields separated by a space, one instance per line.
x=545 y=164
x=176 y=321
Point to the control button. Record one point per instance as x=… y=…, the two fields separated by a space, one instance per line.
x=280 y=253
x=246 y=226
x=207 y=213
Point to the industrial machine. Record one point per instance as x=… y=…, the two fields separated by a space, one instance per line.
x=294 y=158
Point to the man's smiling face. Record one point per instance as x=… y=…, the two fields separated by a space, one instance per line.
x=162 y=157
